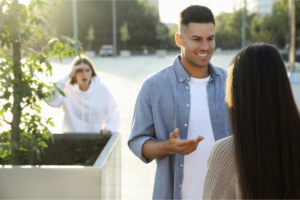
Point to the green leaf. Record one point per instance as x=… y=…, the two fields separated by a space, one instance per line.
x=59 y=90
x=6 y=95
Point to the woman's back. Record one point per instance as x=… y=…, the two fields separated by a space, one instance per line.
x=265 y=123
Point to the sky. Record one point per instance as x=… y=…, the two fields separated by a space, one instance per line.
x=169 y=9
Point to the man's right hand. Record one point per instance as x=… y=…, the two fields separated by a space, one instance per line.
x=153 y=149
x=183 y=146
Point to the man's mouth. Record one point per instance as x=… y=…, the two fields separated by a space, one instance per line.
x=202 y=55
x=84 y=79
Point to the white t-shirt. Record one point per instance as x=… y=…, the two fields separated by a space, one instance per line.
x=194 y=168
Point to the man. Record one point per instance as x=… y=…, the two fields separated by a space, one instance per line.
x=187 y=96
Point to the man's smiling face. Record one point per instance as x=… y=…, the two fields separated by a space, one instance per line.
x=198 y=43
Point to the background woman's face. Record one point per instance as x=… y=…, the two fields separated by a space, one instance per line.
x=83 y=74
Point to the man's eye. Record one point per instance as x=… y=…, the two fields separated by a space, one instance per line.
x=196 y=39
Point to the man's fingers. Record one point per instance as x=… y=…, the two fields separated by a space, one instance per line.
x=187 y=142
x=189 y=149
x=175 y=133
x=199 y=138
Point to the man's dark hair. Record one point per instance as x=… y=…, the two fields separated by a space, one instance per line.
x=197 y=14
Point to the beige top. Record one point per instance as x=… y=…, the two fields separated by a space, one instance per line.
x=221 y=178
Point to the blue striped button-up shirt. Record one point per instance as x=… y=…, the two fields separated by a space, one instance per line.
x=161 y=107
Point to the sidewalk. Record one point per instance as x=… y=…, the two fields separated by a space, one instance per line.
x=137 y=178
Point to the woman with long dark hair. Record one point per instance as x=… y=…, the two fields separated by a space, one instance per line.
x=261 y=160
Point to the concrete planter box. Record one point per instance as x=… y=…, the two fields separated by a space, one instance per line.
x=90 y=54
x=100 y=181
x=161 y=52
x=125 y=53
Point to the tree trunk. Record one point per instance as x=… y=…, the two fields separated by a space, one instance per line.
x=15 y=125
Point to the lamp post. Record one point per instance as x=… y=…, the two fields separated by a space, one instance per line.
x=75 y=24
x=292 y=16
x=114 y=27
x=244 y=24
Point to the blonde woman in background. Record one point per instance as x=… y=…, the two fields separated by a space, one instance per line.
x=88 y=105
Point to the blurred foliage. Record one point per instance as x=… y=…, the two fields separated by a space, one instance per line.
x=229 y=29
x=90 y=37
x=24 y=64
x=141 y=19
x=162 y=34
x=124 y=34
x=172 y=36
x=272 y=28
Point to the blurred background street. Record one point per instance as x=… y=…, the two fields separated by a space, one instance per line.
x=130 y=40
x=123 y=77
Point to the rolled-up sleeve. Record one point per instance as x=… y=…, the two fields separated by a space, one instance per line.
x=142 y=128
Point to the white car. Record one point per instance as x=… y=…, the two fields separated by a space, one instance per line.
x=106 y=50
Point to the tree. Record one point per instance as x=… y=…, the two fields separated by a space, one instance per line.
x=272 y=28
x=22 y=69
x=140 y=17
x=162 y=33
x=229 y=29
x=124 y=34
x=90 y=37
x=172 y=36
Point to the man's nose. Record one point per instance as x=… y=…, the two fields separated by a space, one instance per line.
x=204 y=46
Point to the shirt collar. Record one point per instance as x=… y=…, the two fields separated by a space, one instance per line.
x=182 y=74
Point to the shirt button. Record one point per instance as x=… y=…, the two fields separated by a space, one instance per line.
x=179 y=185
x=185 y=124
x=187 y=88
x=180 y=165
x=188 y=105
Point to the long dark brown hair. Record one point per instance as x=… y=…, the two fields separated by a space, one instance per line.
x=82 y=59
x=265 y=123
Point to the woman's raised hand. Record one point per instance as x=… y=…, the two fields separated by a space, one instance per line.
x=74 y=69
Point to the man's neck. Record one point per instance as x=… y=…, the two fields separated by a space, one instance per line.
x=194 y=71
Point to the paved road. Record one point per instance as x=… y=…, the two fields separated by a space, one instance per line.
x=123 y=77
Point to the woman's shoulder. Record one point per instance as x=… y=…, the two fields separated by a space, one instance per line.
x=98 y=83
x=100 y=87
x=221 y=174
x=224 y=145
x=223 y=151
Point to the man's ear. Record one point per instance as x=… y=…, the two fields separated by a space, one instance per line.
x=178 y=39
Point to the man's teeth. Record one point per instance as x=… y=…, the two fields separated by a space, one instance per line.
x=202 y=55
